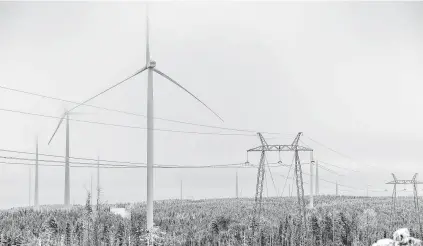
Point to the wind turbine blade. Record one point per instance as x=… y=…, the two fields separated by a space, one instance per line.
x=108 y=89
x=57 y=128
x=147 y=38
x=180 y=86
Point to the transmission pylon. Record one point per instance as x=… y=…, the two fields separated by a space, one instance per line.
x=299 y=182
x=260 y=178
x=414 y=182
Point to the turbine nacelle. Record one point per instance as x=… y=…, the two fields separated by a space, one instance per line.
x=151 y=63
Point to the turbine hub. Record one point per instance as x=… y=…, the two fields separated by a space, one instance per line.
x=152 y=64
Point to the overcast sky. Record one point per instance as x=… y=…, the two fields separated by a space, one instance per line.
x=348 y=75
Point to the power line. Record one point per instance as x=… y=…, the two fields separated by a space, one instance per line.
x=287 y=177
x=271 y=176
x=126 y=126
x=337 y=152
x=327 y=169
x=56 y=161
x=354 y=188
x=102 y=165
x=330 y=170
x=333 y=150
x=348 y=169
x=346 y=186
x=71 y=157
x=291 y=178
x=286 y=180
x=341 y=154
x=108 y=161
x=134 y=114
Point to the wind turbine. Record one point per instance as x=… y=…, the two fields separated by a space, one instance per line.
x=67 y=181
x=150 y=66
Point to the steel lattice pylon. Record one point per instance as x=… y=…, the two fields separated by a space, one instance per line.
x=259 y=193
x=260 y=178
x=300 y=189
x=414 y=182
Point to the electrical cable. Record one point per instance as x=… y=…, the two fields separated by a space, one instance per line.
x=348 y=169
x=126 y=126
x=333 y=150
x=289 y=171
x=271 y=176
x=330 y=170
x=137 y=114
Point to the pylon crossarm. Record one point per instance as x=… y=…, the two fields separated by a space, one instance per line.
x=405 y=182
x=280 y=148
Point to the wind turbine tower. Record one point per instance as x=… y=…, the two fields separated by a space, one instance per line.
x=236 y=189
x=91 y=189
x=67 y=178
x=336 y=188
x=98 y=179
x=29 y=191
x=151 y=67
x=36 y=204
x=311 y=179
x=317 y=177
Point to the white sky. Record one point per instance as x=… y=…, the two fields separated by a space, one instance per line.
x=346 y=74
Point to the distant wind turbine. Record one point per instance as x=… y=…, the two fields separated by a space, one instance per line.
x=67 y=181
x=98 y=179
x=36 y=202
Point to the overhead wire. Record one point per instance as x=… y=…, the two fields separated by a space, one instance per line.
x=331 y=149
x=330 y=170
x=329 y=163
x=127 y=126
x=70 y=157
x=348 y=169
x=342 y=185
x=339 y=153
x=157 y=129
x=286 y=180
x=335 y=151
x=102 y=165
x=271 y=176
x=56 y=161
x=129 y=163
x=137 y=114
